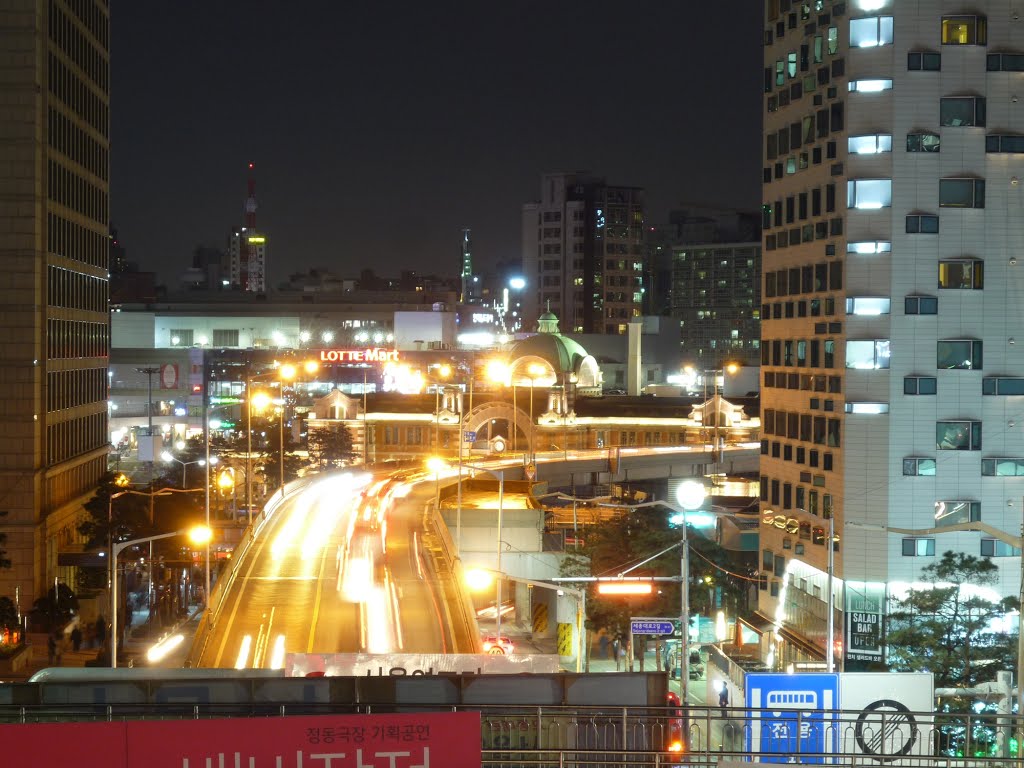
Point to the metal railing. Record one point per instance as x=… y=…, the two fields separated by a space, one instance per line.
x=592 y=737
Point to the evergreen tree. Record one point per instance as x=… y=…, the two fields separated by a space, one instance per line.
x=329 y=447
x=948 y=631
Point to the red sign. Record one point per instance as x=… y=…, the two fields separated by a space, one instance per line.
x=442 y=740
x=369 y=355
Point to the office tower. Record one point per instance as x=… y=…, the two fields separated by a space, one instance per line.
x=582 y=246
x=54 y=246
x=892 y=285
x=247 y=248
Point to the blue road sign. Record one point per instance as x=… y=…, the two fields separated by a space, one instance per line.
x=792 y=716
x=469 y=436
x=651 y=626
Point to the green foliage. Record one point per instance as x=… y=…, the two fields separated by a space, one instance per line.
x=942 y=631
x=129 y=515
x=329 y=447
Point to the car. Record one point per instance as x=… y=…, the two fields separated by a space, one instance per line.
x=499 y=646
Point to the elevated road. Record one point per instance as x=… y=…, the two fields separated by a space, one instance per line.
x=344 y=562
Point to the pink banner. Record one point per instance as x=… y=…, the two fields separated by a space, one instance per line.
x=444 y=740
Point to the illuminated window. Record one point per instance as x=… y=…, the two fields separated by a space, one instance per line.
x=867 y=305
x=869 y=86
x=864 y=409
x=959 y=354
x=870 y=145
x=964 y=30
x=962 y=274
x=869 y=193
x=871 y=31
x=869 y=246
x=867 y=355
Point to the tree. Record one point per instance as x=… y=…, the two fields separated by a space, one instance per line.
x=945 y=631
x=8 y=614
x=329 y=447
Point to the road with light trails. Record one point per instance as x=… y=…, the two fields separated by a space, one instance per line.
x=340 y=566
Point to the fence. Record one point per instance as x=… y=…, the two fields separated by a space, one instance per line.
x=607 y=737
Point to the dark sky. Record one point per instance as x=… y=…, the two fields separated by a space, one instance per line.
x=380 y=129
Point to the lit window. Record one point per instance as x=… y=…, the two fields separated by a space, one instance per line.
x=871 y=31
x=920 y=385
x=922 y=142
x=870 y=145
x=954 y=512
x=869 y=193
x=867 y=306
x=962 y=274
x=868 y=355
x=1002 y=467
x=958 y=435
x=919 y=467
x=959 y=354
x=964 y=30
x=919 y=547
x=869 y=86
x=866 y=408
x=958 y=111
x=870 y=246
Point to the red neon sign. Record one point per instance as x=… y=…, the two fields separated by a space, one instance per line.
x=342 y=741
x=368 y=355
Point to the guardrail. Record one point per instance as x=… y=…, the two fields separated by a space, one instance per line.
x=649 y=736
x=447 y=566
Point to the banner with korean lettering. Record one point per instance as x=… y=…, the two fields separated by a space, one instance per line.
x=342 y=741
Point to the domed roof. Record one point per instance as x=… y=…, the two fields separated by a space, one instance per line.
x=564 y=355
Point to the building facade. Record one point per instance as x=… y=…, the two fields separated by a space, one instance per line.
x=891 y=293
x=54 y=145
x=582 y=246
x=716 y=298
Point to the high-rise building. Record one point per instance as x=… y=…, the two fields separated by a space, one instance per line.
x=55 y=245
x=247 y=248
x=891 y=301
x=582 y=246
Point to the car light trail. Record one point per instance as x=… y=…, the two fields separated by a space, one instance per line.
x=277 y=655
x=243 y=653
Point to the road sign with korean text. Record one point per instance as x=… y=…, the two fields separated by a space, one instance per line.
x=792 y=716
x=651 y=626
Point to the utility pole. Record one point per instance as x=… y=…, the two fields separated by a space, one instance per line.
x=149 y=371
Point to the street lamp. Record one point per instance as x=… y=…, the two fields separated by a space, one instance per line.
x=198 y=535
x=442 y=373
x=259 y=401
x=168 y=457
x=435 y=465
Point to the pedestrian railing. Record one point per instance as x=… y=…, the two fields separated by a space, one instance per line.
x=592 y=737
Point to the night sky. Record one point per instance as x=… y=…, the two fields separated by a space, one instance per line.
x=380 y=129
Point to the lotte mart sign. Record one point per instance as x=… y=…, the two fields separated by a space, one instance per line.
x=368 y=355
x=330 y=741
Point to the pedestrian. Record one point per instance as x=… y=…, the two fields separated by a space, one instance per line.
x=723 y=697
x=101 y=631
x=603 y=645
x=76 y=638
x=616 y=650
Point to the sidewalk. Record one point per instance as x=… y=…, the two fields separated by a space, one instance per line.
x=139 y=638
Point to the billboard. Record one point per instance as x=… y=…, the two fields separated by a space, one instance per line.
x=334 y=741
x=891 y=711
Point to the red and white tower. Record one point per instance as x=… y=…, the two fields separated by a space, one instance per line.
x=248 y=248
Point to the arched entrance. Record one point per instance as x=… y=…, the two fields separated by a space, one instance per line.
x=496 y=418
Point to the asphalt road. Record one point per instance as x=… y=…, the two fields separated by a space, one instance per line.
x=338 y=567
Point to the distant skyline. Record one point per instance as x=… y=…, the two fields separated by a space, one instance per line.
x=379 y=131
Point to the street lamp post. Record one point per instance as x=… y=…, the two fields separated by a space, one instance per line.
x=198 y=536
x=533 y=371
x=169 y=457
